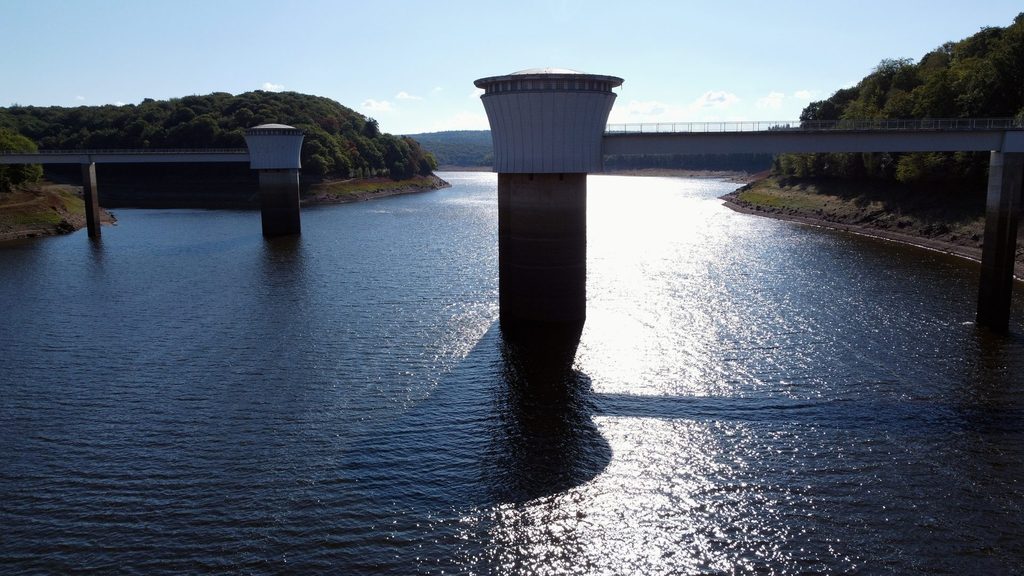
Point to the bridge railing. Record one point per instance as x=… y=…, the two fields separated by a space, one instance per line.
x=134 y=151
x=873 y=125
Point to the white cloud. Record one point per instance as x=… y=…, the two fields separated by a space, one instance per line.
x=716 y=99
x=80 y=98
x=646 y=108
x=377 y=105
x=437 y=89
x=773 y=101
x=118 y=103
x=463 y=121
x=476 y=93
x=648 y=111
x=403 y=95
x=805 y=95
x=271 y=87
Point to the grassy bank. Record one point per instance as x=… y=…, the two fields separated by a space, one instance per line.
x=358 y=189
x=947 y=220
x=42 y=210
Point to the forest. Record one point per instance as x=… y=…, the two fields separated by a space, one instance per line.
x=339 y=142
x=17 y=174
x=981 y=76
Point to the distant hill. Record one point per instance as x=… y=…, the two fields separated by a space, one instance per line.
x=458 y=147
x=474 y=148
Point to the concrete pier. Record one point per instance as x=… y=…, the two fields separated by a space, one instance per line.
x=547 y=126
x=275 y=150
x=90 y=194
x=1002 y=211
x=542 y=252
x=279 y=202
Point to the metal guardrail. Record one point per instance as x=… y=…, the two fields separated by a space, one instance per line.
x=876 y=125
x=136 y=151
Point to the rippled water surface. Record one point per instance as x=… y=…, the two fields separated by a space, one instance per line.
x=747 y=395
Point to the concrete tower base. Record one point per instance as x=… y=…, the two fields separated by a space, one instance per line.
x=542 y=253
x=90 y=194
x=1002 y=210
x=279 y=202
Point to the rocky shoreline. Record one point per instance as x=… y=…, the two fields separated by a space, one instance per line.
x=44 y=209
x=345 y=191
x=950 y=225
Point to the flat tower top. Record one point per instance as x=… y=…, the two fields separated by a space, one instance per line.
x=546 y=71
x=608 y=82
x=272 y=129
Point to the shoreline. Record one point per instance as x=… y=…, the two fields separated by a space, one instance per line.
x=44 y=209
x=360 y=190
x=909 y=239
x=968 y=252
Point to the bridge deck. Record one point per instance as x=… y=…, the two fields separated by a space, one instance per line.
x=125 y=156
x=952 y=135
x=782 y=142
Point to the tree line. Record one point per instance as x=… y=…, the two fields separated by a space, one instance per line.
x=339 y=142
x=17 y=174
x=978 y=77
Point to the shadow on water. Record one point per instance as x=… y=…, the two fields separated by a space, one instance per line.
x=991 y=398
x=509 y=423
x=546 y=441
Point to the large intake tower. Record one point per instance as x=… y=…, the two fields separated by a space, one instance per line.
x=547 y=125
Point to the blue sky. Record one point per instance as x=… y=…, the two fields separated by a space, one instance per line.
x=411 y=65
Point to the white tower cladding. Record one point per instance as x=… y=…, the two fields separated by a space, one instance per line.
x=548 y=120
x=274 y=147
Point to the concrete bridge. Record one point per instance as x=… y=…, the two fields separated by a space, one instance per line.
x=549 y=130
x=272 y=149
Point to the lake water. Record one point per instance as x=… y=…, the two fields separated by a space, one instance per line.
x=747 y=395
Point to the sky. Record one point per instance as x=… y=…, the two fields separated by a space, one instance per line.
x=411 y=65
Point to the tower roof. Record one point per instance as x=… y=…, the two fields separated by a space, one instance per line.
x=272 y=129
x=549 y=74
x=546 y=71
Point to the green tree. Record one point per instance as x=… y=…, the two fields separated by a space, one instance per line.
x=16 y=174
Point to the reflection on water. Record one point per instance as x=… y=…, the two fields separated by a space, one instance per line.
x=746 y=396
x=546 y=440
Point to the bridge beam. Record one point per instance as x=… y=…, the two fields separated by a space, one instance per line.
x=91 y=197
x=1002 y=210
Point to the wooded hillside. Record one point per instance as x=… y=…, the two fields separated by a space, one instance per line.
x=339 y=143
x=978 y=77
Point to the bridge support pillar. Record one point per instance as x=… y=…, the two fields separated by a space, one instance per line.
x=90 y=195
x=1002 y=211
x=279 y=202
x=547 y=126
x=542 y=253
